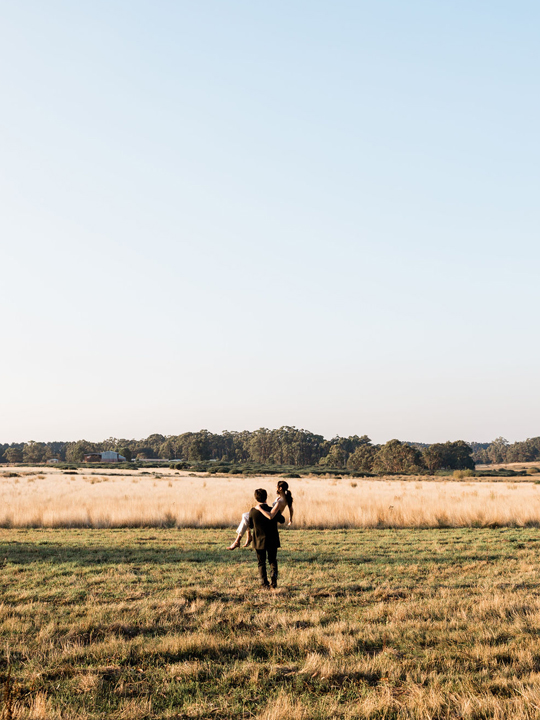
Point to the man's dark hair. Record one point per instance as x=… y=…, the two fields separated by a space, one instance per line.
x=261 y=495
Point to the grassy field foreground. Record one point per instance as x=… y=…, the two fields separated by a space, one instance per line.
x=135 y=623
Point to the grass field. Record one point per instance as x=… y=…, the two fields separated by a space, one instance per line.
x=165 y=623
x=168 y=498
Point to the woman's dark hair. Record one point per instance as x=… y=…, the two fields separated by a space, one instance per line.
x=284 y=486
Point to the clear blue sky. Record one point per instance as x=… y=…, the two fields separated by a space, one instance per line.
x=240 y=214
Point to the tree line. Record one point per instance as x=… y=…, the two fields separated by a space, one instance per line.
x=286 y=446
x=501 y=451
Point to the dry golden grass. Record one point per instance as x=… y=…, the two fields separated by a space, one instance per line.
x=511 y=466
x=168 y=498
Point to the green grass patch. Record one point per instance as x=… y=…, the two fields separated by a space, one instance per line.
x=167 y=623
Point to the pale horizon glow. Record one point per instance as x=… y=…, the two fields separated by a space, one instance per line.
x=238 y=215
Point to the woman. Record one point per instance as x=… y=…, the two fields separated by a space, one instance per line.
x=283 y=500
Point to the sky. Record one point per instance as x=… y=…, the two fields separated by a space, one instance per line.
x=232 y=215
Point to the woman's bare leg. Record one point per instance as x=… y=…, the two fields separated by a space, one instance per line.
x=236 y=543
x=240 y=530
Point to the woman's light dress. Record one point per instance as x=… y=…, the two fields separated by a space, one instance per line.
x=244 y=522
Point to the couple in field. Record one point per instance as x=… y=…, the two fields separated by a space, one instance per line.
x=260 y=523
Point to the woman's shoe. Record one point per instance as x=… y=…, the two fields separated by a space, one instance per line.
x=248 y=540
x=234 y=545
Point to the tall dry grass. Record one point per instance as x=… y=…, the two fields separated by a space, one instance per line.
x=53 y=499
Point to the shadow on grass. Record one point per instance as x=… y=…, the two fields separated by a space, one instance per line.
x=130 y=553
x=24 y=553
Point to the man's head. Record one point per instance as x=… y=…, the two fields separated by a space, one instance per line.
x=261 y=495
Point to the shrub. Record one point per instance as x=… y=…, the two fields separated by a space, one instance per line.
x=291 y=475
x=460 y=474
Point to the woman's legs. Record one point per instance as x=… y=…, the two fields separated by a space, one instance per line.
x=240 y=530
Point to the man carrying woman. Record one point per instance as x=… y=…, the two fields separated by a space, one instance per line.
x=284 y=499
x=265 y=537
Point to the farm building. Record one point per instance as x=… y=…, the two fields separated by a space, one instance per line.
x=106 y=456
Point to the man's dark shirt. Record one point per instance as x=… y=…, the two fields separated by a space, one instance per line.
x=265 y=532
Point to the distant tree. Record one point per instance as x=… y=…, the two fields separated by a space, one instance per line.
x=13 y=455
x=76 y=451
x=36 y=452
x=397 y=457
x=144 y=451
x=449 y=456
x=154 y=441
x=126 y=452
x=460 y=455
x=111 y=443
x=479 y=451
x=524 y=451
x=362 y=458
x=498 y=450
x=307 y=448
x=336 y=457
x=262 y=445
x=202 y=445
x=58 y=449
x=341 y=449
x=434 y=456
x=234 y=445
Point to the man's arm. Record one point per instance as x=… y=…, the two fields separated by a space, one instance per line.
x=278 y=517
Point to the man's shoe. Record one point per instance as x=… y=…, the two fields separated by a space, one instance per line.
x=265 y=585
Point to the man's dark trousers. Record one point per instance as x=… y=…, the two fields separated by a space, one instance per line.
x=272 y=561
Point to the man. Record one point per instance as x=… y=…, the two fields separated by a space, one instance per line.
x=265 y=538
